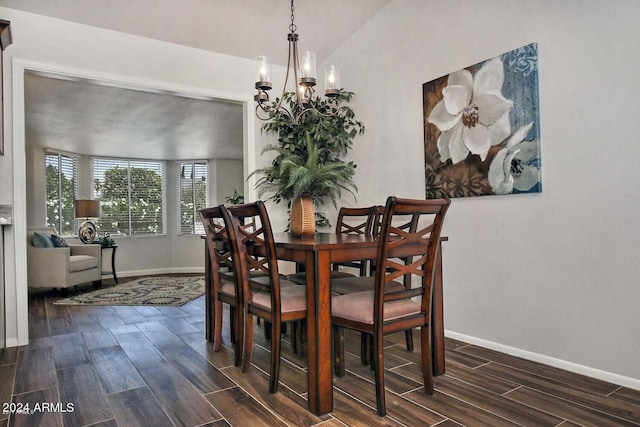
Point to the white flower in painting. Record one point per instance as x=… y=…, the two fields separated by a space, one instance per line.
x=512 y=167
x=472 y=115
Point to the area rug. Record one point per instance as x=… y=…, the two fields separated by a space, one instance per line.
x=154 y=290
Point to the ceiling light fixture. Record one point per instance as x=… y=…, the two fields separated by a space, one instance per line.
x=304 y=71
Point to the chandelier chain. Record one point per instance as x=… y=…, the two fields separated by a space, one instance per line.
x=292 y=27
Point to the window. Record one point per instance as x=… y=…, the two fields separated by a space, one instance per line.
x=61 y=188
x=131 y=194
x=192 y=186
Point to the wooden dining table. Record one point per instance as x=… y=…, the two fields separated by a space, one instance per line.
x=317 y=253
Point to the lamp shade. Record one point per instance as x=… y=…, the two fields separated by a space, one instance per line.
x=86 y=208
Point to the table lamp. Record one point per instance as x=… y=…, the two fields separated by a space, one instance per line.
x=88 y=209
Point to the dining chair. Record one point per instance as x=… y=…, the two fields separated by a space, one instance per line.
x=366 y=282
x=270 y=297
x=225 y=285
x=389 y=309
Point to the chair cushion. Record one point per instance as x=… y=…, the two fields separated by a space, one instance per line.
x=58 y=241
x=359 y=307
x=292 y=298
x=266 y=280
x=42 y=240
x=228 y=288
x=228 y=275
x=301 y=278
x=350 y=285
x=82 y=262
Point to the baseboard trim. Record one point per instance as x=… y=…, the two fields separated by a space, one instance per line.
x=11 y=342
x=181 y=270
x=551 y=361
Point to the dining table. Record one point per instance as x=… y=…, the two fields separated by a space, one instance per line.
x=318 y=252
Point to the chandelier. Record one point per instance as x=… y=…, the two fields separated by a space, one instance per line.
x=304 y=73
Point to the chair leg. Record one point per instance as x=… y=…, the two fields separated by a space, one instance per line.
x=365 y=349
x=275 y=356
x=378 y=363
x=238 y=346
x=408 y=335
x=295 y=337
x=247 y=342
x=267 y=330
x=232 y=324
x=217 y=324
x=427 y=360
x=338 y=351
x=302 y=339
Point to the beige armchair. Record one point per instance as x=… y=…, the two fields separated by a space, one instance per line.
x=62 y=267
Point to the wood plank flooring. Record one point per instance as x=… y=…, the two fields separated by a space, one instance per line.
x=151 y=366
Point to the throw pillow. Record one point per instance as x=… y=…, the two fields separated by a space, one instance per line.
x=42 y=240
x=58 y=241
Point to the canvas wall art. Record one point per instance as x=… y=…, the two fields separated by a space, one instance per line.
x=482 y=128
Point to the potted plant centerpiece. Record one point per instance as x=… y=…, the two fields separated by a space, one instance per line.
x=309 y=169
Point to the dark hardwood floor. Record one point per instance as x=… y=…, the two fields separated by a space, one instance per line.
x=151 y=366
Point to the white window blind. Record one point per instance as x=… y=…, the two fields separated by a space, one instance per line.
x=192 y=188
x=61 y=188
x=131 y=194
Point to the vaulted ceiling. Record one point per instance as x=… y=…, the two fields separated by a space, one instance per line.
x=97 y=119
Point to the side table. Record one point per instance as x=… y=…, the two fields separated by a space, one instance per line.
x=113 y=262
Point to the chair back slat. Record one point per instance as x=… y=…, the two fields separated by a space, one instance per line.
x=409 y=234
x=245 y=239
x=216 y=237
x=355 y=220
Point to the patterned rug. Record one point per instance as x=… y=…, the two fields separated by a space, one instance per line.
x=153 y=290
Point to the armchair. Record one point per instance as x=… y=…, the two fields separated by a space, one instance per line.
x=62 y=267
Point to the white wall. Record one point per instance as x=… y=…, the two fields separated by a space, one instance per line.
x=228 y=177
x=551 y=276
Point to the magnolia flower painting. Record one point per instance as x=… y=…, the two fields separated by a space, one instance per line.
x=482 y=129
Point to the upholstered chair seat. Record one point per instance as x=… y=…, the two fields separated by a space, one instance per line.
x=82 y=262
x=358 y=307
x=293 y=298
x=301 y=278
x=357 y=284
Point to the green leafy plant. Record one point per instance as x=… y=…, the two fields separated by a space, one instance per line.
x=235 y=199
x=310 y=151
x=298 y=174
x=106 y=240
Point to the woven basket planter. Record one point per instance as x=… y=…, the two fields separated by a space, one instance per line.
x=303 y=218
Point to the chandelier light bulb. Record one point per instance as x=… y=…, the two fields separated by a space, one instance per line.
x=263 y=66
x=308 y=68
x=331 y=81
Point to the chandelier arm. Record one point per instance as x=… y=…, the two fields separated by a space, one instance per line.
x=286 y=78
x=260 y=107
x=296 y=66
x=318 y=112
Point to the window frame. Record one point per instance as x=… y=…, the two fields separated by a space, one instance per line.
x=131 y=164
x=197 y=229
x=75 y=170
